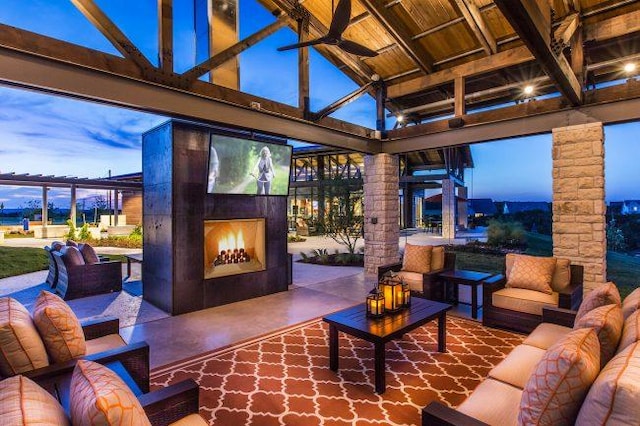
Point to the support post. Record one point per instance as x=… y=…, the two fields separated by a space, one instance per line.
x=72 y=207
x=45 y=204
x=463 y=214
x=115 y=207
x=381 y=96
x=448 y=209
x=303 y=72
x=459 y=89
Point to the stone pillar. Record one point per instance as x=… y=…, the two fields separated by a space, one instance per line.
x=45 y=205
x=381 y=211
x=579 y=222
x=463 y=214
x=115 y=207
x=72 y=206
x=448 y=209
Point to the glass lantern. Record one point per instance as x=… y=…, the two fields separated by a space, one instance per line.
x=375 y=304
x=407 y=294
x=391 y=288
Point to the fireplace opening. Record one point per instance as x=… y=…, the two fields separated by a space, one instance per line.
x=233 y=246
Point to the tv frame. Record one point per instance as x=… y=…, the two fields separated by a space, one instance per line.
x=254 y=137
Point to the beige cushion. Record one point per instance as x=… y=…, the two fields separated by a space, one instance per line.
x=614 y=398
x=494 y=403
x=561 y=274
x=607 y=322
x=88 y=254
x=631 y=303
x=71 y=256
x=516 y=368
x=104 y=343
x=437 y=258
x=555 y=391
x=523 y=300
x=417 y=258
x=191 y=420
x=413 y=279
x=21 y=346
x=605 y=294
x=100 y=397
x=630 y=331
x=532 y=272
x=59 y=328
x=23 y=402
x=546 y=335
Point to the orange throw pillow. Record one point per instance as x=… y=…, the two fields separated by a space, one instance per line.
x=417 y=259
x=606 y=294
x=607 y=322
x=23 y=402
x=532 y=273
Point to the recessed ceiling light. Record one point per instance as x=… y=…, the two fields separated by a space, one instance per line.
x=629 y=67
x=528 y=89
x=400 y=118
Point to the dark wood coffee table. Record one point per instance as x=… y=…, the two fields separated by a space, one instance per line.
x=354 y=321
x=458 y=277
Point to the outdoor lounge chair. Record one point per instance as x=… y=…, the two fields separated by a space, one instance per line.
x=79 y=279
x=423 y=280
x=519 y=307
x=52 y=276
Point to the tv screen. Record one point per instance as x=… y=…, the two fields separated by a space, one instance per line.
x=249 y=167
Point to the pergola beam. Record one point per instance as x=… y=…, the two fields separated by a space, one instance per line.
x=614 y=27
x=165 y=35
x=532 y=21
x=478 y=26
x=329 y=109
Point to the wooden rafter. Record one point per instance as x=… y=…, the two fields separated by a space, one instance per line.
x=165 y=35
x=478 y=25
x=215 y=61
x=567 y=29
x=614 y=27
x=400 y=33
x=303 y=70
x=532 y=22
x=111 y=31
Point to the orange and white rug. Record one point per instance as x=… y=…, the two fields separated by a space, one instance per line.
x=284 y=378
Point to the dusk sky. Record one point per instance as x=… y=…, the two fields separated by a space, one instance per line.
x=52 y=135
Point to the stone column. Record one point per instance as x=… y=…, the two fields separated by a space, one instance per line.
x=72 y=206
x=45 y=207
x=448 y=209
x=579 y=223
x=463 y=214
x=381 y=211
x=115 y=207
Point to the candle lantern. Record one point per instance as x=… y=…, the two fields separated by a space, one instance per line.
x=375 y=303
x=391 y=288
x=407 y=294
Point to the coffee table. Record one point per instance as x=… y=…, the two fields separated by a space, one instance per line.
x=458 y=277
x=354 y=321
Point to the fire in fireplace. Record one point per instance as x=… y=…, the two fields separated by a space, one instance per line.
x=233 y=246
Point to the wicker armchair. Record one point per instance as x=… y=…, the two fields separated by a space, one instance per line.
x=52 y=276
x=83 y=280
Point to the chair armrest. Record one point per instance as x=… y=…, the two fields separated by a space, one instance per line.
x=395 y=267
x=571 y=296
x=170 y=404
x=100 y=327
x=558 y=316
x=438 y=414
x=490 y=286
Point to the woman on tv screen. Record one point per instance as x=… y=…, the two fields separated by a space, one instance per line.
x=264 y=172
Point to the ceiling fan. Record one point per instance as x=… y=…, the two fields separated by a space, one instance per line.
x=339 y=24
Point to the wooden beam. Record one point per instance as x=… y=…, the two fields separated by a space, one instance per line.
x=121 y=42
x=577 y=55
x=165 y=35
x=400 y=32
x=491 y=63
x=567 y=28
x=532 y=22
x=303 y=71
x=614 y=27
x=478 y=26
x=459 y=104
x=215 y=61
x=329 y=109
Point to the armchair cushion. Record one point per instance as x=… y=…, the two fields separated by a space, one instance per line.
x=561 y=380
x=71 y=243
x=88 y=254
x=417 y=258
x=630 y=331
x=607 y=323
x=516 y=368
x=523 y=300
x=99 y=396
x=494 y=403
x=437 y=258
x=59 y=328
x=631 y=303
x=71 y=256
x=22 y=347
x=191 y=420
x=413 y=279
x=104 y=343
x=546 y=335
x=614 y=398
x=606 y=294
x=561 y=274
x=23 y=402
x=532 y=273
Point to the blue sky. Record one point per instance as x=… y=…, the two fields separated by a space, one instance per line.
x=52 y=135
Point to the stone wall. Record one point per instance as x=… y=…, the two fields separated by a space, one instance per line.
x=579 y=231
x=463 y=212
x=448 y=209
x=382 y=206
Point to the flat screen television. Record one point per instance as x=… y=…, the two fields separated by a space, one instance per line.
x=248 y=167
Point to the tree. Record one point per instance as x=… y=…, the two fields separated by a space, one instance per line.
x=100 y=203
x=615 y=237
x=32 y=207
x=343 y=221
x=1 y=212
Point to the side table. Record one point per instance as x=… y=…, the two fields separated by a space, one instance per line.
x=457 y=277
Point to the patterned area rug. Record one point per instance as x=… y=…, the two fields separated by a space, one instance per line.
x=284 y=378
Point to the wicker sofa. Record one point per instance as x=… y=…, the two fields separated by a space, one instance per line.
x=530 y=380
x=520 y=309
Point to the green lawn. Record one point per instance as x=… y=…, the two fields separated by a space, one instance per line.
x=20 y=260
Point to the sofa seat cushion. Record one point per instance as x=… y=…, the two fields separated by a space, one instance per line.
x=614 y=398
x=605 y=294
x=631 y=303
x=417 y=258
x=59 y=328
x=22 y=347
x=100 y=397
x=607 y=323
x=630 y=331
x=191 y=420
x=546 y=335
x=104 y=343
x=523 y=300
x=413 y=279
x=517 y=367
x=23 y=402
x=555 y=391
x=494 y=403
x=532 y=272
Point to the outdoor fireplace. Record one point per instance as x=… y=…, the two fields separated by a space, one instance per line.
x=233 y=246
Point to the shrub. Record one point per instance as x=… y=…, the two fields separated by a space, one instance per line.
x=293 y=238
x=84 y=233
x=71 y=235
x=506 y=234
